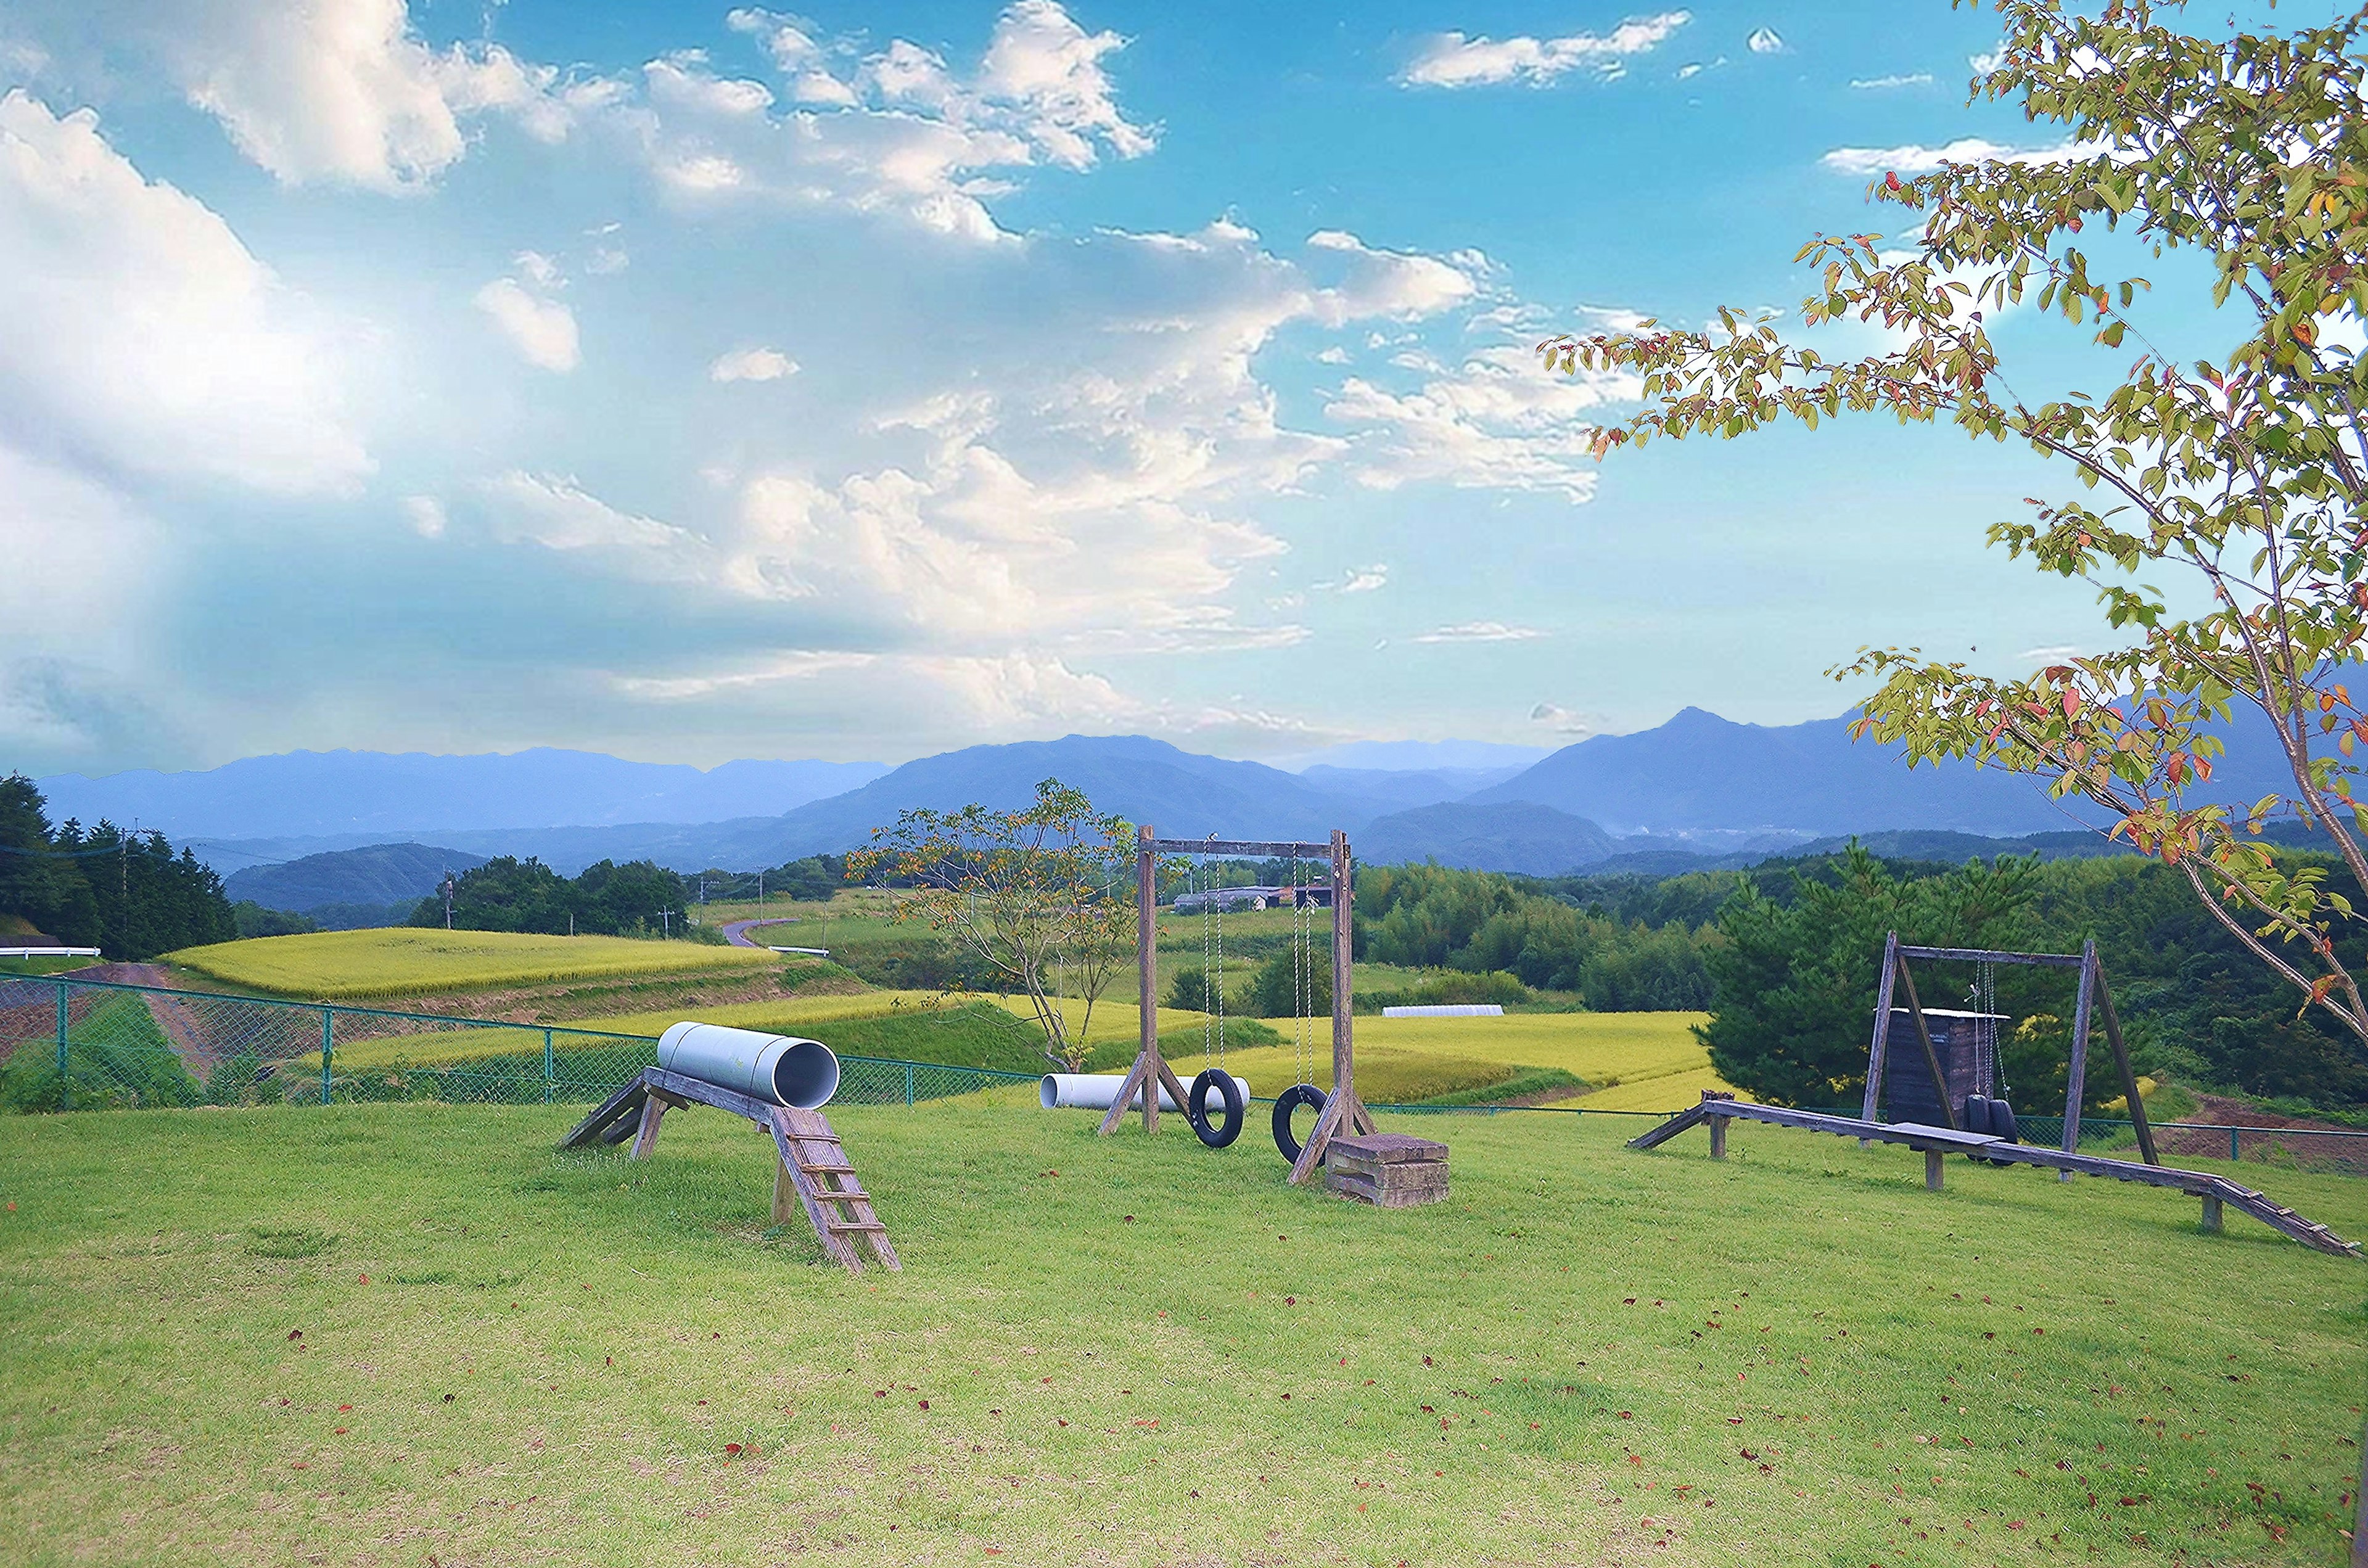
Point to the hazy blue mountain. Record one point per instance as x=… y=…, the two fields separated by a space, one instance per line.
x=1181 y=794
x=379 y=793
x=1416 y=756
x=1511 y=836
x=378 y=874
x=1409 y=786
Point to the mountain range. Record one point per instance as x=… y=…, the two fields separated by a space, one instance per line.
x=1697 y=790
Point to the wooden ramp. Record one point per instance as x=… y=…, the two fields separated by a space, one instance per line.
x=1716 y=1111
x=813 y=1173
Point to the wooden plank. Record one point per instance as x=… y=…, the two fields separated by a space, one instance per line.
x=1146 y=967
x=2129 y=1078
x=1918 y=1134
x=786 y=1137
x=1388 y=1148
x=1718 y=1137
x=1364 y=1190
x=623 y=1103
x=1146 y=1068
x=698 y=1091
x=1412 y=1177
x=1240 y=848
x=2212 y=1222
x=2076 y=1078
x=1932 y=1170
x=1334 y=1159
x=1877 y=1052
x=1693 y=1116
x=1924 y=1034
x=653 y=1109
x=2050 y=960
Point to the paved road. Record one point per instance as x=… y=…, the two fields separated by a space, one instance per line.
x=735 y=932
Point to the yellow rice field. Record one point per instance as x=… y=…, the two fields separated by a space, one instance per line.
x=365 y=966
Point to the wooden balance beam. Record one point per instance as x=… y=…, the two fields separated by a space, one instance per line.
x=1716 y=1110
x=811 y=1172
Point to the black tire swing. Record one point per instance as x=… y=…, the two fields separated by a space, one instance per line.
x=1215 y=1134
x=1303 y=978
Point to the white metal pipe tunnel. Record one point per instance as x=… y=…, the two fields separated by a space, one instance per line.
x=779 y=1069
x=1094 y=1091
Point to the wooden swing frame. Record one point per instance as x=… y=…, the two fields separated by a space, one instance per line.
x=2093 y=997
x=1342 y=1109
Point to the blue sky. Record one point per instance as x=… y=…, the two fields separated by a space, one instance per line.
x=688 y=383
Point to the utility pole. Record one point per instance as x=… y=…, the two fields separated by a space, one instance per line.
x=447 y=889
x=760 y=895
x=666 y=924
x=123 y=885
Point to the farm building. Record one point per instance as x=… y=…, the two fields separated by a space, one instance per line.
x=1253 y=898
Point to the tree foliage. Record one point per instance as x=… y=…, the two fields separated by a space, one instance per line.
x=1796 y=980
x=126 y=893
x=605 y=899
x=2248 y=473
x=1044 y=896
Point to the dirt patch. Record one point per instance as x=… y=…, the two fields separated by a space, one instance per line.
x=2294 y=1140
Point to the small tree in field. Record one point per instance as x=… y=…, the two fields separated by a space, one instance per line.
x=1041 y=895
x=2250 y=152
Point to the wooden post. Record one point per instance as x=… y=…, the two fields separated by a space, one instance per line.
x=2077 y=1079
x=2129 y=1078
x=785 y=1191
x=1149 y=1072
x=1931 y=1057
x=1932 y=1170
x=2211 y=1213
x=1344 y=1022
x=1718 y=1137
x=1875 y=1053
x=1342 y=1113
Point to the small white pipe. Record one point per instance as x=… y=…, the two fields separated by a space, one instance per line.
x=1448 y=1010
x=780 y=1069
x=1094 y=1091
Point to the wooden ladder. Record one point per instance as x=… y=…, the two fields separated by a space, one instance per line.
x=814 y=1170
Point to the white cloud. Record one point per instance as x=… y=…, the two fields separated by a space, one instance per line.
x=1884 y=84
x=899 y=132
x=1401 y=285
x=343 y=93
x=1765 y=41
x=1453 y=60
x=1335 y=355
x=752 y=365
x=1987 y=60
x=1497 y=421
x=1360 y=580
x=142 y=336
x=979 y=698
x=560 y=514
x=1049 y=70
x=2052 y=654
x=543 y=331
x=1914 y=159
x=427 y=516
x=1482 y=632
x=1563 y=721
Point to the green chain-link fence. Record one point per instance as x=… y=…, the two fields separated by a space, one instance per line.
x=68 y=1044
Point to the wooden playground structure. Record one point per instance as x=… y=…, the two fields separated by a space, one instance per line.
x=1343 y=1113
x=1717 y=1109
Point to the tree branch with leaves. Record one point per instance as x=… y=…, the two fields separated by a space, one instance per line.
x=2248 y=475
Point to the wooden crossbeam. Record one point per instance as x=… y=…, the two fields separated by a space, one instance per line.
x=1240 y=848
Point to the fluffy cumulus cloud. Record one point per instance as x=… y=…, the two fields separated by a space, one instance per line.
x=751 y=365
x=343 y=92
x=1916 y=159
x=1495 y=422
x=1892 y=82
x=898 y=129
x=542 y=330
x=1004 y=473
x=143 y=337
x=1454 y=60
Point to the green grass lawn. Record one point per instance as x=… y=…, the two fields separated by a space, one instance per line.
x=415 y=1334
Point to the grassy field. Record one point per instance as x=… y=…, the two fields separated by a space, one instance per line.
x=406 y=1335
x=363 y=966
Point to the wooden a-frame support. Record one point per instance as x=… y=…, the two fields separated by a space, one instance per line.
x=810 y=1173
x=1342 y=1109
x=2093 y=998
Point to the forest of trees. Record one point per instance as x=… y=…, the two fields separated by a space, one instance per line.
x=1785 y=955
x=609 y=899
x=126 y=893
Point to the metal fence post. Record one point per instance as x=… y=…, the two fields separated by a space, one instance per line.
x=328 y=1047
x=65 y=1086
x=2233 y=1154
x=908 y=1083
x=546 y=1066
